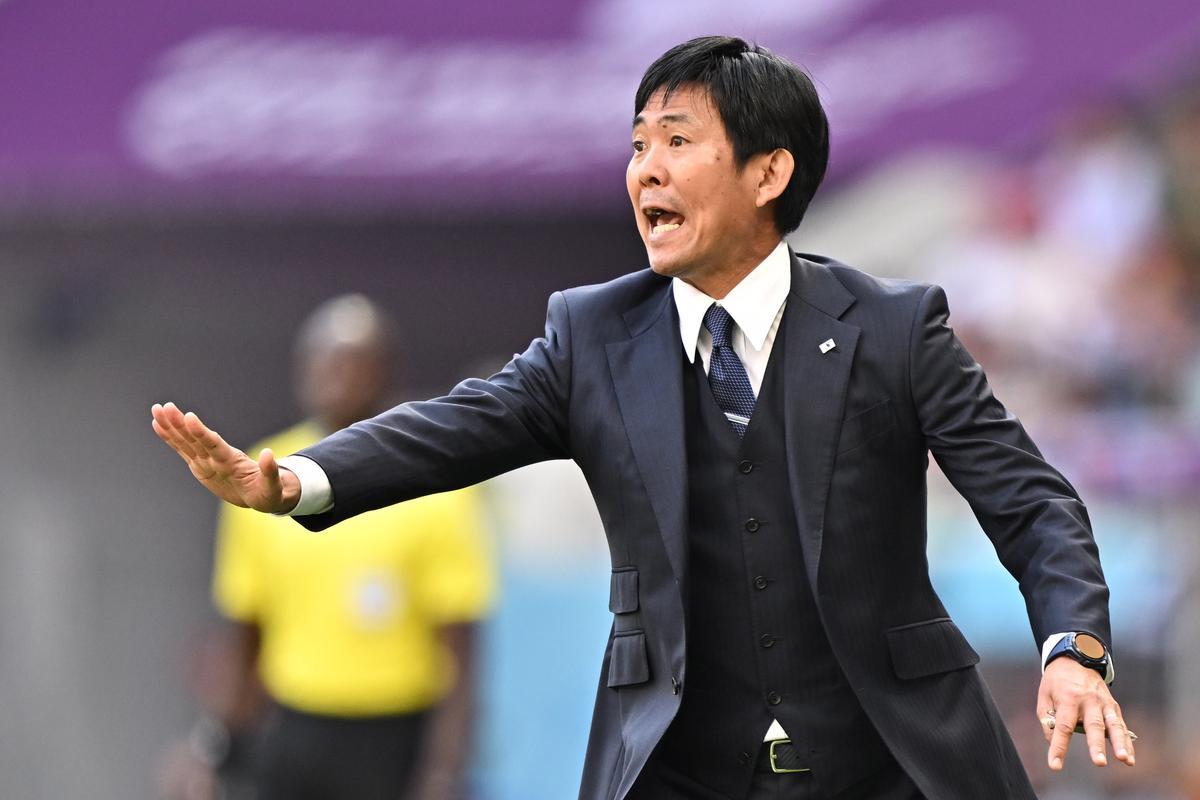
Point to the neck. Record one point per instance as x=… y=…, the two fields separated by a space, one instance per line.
x=720 y=282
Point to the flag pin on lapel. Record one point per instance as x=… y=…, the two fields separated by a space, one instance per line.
x=826 y=346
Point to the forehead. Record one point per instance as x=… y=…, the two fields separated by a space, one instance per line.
x=688 y=104
x=321 y=352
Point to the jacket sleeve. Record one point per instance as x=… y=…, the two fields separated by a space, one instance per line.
x=1033 y=516
x=480 y=429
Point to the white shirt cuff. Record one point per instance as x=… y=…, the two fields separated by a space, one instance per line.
x=316 y=495
x=1055 y=638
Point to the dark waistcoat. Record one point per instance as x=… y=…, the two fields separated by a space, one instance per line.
x=756 y=648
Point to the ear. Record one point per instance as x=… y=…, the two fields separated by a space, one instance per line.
x=775 y=170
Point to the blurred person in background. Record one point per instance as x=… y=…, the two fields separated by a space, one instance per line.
x=365 y=642
x=1181 y=146
x=835 y=671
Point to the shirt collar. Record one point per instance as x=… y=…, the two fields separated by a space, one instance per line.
x=753 y=303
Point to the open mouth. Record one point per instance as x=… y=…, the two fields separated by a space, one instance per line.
x=662 y=221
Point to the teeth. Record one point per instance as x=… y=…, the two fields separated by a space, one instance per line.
x=658 y=229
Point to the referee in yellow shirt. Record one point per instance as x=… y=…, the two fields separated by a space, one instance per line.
x=364 y=637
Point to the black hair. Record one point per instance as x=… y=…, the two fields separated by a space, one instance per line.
x=765 y=101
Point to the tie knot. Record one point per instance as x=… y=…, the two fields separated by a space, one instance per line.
x=719 y=325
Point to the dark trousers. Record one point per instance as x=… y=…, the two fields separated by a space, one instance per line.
x=309 y=757
x=659 y=782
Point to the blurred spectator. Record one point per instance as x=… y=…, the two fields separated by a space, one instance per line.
x=1181 y=145
x=364 y=639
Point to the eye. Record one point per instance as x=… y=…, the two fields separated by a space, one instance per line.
x=638 y=145
x=677 y=141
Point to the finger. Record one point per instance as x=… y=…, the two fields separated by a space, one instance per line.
x=174 y=421
x=172 y=414
x=1118 y=734
x=1046 y=723
x=162 y=416
x=204 y=436
x=1046 y=714
x=1093 y=728
x=171 y=435
x=181 y=448
x=1064 y=726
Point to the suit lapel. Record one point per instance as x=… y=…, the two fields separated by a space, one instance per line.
x=815 y=385
x=647 y=376
x=649 y=386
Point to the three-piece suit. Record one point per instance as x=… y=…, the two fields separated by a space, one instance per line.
x=782 y=575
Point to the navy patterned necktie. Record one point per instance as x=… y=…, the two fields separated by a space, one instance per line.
x=726 y=375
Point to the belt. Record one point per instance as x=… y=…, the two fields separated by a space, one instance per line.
x=780 y=756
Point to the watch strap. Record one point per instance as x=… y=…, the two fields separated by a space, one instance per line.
x=1060 y=644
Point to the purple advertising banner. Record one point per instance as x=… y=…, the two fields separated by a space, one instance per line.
x=467 y=104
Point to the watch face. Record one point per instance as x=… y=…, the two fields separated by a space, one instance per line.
x=1089 y=645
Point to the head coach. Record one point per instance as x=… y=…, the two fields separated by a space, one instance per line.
x=755 y=426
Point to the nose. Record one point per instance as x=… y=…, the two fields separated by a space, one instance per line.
x=650 y=169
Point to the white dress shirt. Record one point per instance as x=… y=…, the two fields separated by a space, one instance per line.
x=756 y=305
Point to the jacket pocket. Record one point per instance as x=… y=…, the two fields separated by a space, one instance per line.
x=865 y=425
x=623 y=590
x=929 y=648
x=628 y=663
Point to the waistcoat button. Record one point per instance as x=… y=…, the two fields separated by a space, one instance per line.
x=767 y=640
x=760 y=582
x=752 y=525
x=745 y=467
x=774 y=698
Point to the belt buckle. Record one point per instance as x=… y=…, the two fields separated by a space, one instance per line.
x=782 y=770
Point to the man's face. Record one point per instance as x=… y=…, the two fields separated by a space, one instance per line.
x=341 y=385
x=695 y=209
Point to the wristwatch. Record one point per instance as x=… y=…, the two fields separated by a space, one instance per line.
x=1084 y=648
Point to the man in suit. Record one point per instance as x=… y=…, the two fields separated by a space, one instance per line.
x=755 y=427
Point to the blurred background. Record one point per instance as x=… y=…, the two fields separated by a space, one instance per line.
x=182 y=183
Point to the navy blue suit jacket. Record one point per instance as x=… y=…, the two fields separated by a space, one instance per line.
x=603 y=387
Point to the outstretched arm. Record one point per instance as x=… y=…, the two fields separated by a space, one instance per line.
x=221 y=468
x=482 y=428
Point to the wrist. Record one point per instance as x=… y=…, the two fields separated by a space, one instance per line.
x=289 y=496
x=310 y=493
x=1084 y=649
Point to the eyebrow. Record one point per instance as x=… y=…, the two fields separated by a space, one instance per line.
x=666 y=118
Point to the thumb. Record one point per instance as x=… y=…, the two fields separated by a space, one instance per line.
x=269 y=466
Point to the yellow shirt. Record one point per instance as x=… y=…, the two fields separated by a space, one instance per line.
x=349 y=617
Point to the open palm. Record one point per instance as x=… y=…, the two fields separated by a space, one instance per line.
x=224 y=470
